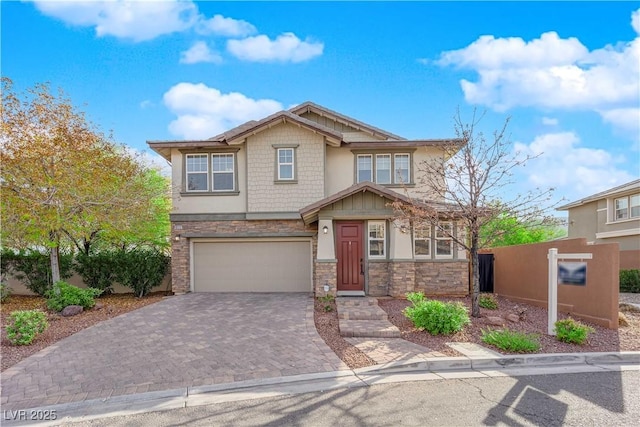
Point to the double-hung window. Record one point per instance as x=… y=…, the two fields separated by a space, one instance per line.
x=286 y=164
x=626 y=207
x=223 y=172
x=444 y=241
x=422 y=241
x=376 y=239
x=197 y=172
x=384 y=168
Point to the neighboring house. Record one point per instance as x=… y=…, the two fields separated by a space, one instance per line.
x=299 y=201
x=608 y=217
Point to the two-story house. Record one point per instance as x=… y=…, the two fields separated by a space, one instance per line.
x=610 y=216
x=299 y=202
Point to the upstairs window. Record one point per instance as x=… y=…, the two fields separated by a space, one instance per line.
x=197 y=172
x=286 y=164
x=627 y=207
x=223 y=172
x=364 y=168
x=387 y=169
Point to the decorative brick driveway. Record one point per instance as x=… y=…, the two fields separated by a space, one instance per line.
x=188 y=340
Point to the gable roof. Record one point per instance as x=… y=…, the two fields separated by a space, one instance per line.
x=310 y=107
x=629 y=186
x=309 y=213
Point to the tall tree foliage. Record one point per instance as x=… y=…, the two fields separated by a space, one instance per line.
x=468 y=185
x=507 y=230
x=62 y=178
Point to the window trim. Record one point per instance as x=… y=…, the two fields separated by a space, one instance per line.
x=276 y=173
x=438 y=228
x=370 y=239
x=209 y=153
x=391 y=169
x=629 y=208
x=429 y=239
x=187 y=173
x=393 y=153
x=395 y=170
x=233 y=172
x=358 y=156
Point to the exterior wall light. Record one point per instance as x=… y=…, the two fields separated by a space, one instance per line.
x=325 y=229
x=177 y=238
x=326 y=286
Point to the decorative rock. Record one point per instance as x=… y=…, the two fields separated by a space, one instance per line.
x=98 y=306
x=495 y=320
x=71 y=310
x=622 y=319
x=511 y=317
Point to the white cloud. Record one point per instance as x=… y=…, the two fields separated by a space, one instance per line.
x=552 y=73
x=204 y=111
x=549 y=121
x=135 y=20
x=199 y=52
x=229 y=27
x=286 y=47
x=574 y=171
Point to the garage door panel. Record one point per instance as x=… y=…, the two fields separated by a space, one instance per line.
x=268 y=266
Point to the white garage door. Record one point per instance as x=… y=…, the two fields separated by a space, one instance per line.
x=252 y=266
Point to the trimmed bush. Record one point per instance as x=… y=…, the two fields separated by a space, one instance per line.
x=572 y=331
x=512 y=341
x=630 y=281
x=25 y=325
x=488 y=301
x=33 y=268
x=98 y=270
x=63 y=294
x=142 y=269
x=436 y=317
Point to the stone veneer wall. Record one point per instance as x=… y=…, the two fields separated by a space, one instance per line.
x=325 y=272
x=403 y=278
x=378 y=278
x=442 y=278
x=180 y=257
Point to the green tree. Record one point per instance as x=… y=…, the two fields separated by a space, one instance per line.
x=508 y=230
x=467 y=185
x=62 y=178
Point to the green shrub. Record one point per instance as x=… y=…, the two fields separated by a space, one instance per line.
x=25 y=325
x=572 y=331
x=98 y=270
x=488 y=301
x=436 y=317
x=63 y=294
x=5 y=292
x=142 y=269
x=33 y=268
x=630 y=281
x=512 y=341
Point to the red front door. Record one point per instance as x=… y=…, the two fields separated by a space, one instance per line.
x=350 y=256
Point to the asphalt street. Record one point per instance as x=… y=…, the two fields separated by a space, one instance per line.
x=574 y=399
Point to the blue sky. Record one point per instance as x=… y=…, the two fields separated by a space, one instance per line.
x=568 y=74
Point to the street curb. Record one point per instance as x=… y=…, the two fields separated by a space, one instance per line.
x=411 y=369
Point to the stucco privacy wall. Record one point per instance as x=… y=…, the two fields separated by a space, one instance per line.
x=18 y=288
x=265 y=193
x=184 y=231
x=521 y=274
x=630 y=260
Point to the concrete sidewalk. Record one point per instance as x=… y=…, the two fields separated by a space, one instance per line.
x=437 y=368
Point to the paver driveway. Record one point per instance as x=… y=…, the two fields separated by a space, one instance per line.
x=187 y=340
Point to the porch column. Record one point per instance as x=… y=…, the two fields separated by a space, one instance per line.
x=326 y=245
x=400 y=247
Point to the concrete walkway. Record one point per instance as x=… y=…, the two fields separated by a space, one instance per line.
x=183 y=341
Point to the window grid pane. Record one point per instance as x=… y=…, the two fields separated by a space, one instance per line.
x=376 y=239
x=285 y=163
x=444 y=243
x=383 y=168
x=197 y=172
x=401 y=168
x=634 y=204
x=223 y=167
x=364 y=172
x=622 y=208
x=422 y=240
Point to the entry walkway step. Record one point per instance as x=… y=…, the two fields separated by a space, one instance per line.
x=385 y=350
x=362 y=317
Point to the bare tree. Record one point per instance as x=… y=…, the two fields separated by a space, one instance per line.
x=468 y=186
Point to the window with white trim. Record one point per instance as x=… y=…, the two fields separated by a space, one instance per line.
x=197 y=172
x=376 y=239
x=422 y=241
x=444 y=240
x=286 y=164
x=364 y=167
x=401 y=168
x=223 y=170
x=383 y=168
x=626 y=207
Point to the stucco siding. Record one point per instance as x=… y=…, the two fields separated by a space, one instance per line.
x=265 y=194
x=583 y=222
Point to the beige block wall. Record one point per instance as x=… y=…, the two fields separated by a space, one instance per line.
x=265 y=195
x=207 y=203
